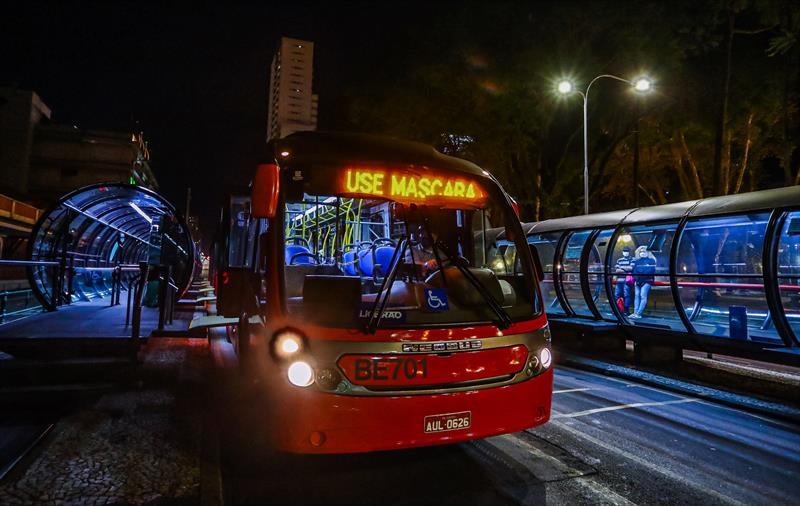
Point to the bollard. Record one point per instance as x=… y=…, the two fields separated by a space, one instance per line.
x=171 y=301
x=62 y=274
x=136 y=324
x=70 y=279
x=135 y=279
x=119 y=283
x=54 y=292
x=162 y=295
x=113 y=287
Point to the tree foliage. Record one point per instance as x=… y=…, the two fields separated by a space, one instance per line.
x=487 y=74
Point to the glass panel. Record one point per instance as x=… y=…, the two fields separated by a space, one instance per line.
x=546 y=247
x=597 y=255
x=435 y=265
x=640 y=265
x=238 y=253
x=571 y=273
x=721 y=277
x=789 y=270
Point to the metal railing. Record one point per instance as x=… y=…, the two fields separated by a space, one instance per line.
x=6 y=300
x=138 y=276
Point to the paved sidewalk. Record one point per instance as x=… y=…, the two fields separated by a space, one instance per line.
x=138 y=445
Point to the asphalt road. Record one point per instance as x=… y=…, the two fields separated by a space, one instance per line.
x=609 y=442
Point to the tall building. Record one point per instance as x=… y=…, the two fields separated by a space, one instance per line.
x=21 y=111
x=292 y=105
x=41 y=160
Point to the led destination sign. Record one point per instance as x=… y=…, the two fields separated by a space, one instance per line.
x=409 y=187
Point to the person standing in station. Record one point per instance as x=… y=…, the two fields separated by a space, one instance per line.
x=622 y=289
x=644 y=269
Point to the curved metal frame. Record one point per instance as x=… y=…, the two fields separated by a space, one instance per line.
x=673 y=275
x=557 y=268
x=40 y=226
x=587 y=292
x=772 y=291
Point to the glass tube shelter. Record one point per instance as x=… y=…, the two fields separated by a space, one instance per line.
x=717 y=271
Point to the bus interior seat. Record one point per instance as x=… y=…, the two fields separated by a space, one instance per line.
x=383 y=257
x=509 y=294
x=349 y=260
x=293 y=249
x=366 y=261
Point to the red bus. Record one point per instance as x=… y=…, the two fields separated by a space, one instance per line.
x=385 y=297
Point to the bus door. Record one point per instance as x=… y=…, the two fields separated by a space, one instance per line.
x=238 y=284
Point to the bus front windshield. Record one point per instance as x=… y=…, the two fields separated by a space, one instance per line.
x=381 y=263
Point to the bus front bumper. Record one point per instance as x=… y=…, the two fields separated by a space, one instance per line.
x=311 y=421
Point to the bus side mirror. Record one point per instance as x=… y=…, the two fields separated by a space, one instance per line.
x=266 y=182
x=537 y=263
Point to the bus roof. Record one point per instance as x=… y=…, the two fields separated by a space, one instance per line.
x=351 y=148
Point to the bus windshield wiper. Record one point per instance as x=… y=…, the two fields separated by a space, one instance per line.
x=503 y=317
x=388 y=281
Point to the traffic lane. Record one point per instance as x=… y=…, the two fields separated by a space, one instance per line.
x=697 y=448
x=580 y=457
x=442 y=475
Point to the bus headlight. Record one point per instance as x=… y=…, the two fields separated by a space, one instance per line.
x=286 y=344
x=545 y=357
x=300 y=374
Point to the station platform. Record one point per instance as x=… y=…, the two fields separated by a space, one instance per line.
x=93 y=319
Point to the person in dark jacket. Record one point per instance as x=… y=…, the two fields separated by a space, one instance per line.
x=644 y=269
x=623 y=268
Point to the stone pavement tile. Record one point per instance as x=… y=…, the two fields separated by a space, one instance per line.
x=134 y=446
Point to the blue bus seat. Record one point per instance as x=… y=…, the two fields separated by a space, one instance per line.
x=366 y=262
x=293 y=249
x=349 y=260
x=383 y=256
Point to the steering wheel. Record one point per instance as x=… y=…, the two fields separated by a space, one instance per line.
x=304 y=254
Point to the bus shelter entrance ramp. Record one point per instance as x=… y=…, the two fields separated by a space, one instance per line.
x=110 y=247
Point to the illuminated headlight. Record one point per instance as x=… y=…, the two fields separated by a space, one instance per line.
x=546 y=357
x=286 y=344
x=300 y=374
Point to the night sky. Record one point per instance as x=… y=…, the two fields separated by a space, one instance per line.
x=194 y=80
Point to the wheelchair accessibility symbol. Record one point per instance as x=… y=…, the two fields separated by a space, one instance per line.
x=436 y=299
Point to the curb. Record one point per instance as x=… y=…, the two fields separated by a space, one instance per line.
x=718 y=396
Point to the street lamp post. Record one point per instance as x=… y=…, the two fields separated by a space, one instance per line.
x=641 y=85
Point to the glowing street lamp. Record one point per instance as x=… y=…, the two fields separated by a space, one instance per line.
x=565 y=87
x=643 y=84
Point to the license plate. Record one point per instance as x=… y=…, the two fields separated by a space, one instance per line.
x=447 y=422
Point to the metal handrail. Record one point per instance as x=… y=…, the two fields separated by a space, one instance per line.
x=124 y=268
x=29 y=263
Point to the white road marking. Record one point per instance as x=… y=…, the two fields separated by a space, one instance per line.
x=654 y=467
x=620 y=406
x=567 y=390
